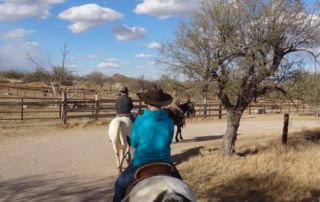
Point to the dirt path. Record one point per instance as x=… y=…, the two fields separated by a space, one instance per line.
x=78 y=164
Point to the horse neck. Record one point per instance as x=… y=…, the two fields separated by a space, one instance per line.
x=184 y=107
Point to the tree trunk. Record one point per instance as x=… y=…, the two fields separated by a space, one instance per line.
x=230 y=137
x=53 y=90
x=205 y=99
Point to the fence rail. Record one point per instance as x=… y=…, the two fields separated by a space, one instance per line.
x=66 y=109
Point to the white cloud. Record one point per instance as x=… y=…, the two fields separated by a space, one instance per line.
x=125 y=33
x=14 y=10
x=167 y=8
x=87 y=16
x=71 y=66
x=127 y=62
x=153 y=63
x=107 y=65
x=93 y=56
x=143 y=55
x=111 y=59
x=16 y=33
x=155 y=45
x=30 y=45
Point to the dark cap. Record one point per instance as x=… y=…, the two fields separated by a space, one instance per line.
x=124 y=90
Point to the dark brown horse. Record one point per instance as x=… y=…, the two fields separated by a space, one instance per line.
x=178 y=116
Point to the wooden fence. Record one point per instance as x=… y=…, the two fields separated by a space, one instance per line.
x=16 y=108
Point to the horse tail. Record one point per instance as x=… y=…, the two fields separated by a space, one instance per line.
x=123 y=139
x=171 y=196
x=114 y=132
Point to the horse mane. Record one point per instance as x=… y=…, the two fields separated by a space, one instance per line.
x=167 y=196
x=187 y=107
x=176 y=115
x=161 y=189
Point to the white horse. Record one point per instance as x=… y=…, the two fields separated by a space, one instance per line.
x=160 y=188
x=119 y=131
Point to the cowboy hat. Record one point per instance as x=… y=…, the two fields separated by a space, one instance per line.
x=155 y=96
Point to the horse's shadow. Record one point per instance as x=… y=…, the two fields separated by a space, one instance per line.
x=186 y=154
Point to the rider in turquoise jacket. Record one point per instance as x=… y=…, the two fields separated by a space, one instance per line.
x=151 y=136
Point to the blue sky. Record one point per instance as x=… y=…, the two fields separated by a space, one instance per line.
x=109 y=36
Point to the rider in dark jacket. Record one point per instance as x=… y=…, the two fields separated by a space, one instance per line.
x=124 y=103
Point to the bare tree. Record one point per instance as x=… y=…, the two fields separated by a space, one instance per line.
x=243 y=49
x=98 y=79
x=307 y=88
x=55 y=77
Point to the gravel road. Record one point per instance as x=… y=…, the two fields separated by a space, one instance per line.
x=78 y=164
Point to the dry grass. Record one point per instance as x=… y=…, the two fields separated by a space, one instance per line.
x=263 y=170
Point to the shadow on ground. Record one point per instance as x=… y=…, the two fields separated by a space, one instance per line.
x=186 y=154
x=250 y=189
x=204 y=138
x=43 y=188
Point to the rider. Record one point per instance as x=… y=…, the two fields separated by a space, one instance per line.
x=124 y=104
x=151 y=136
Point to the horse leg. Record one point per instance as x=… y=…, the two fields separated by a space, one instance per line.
x=118 y=159
x=129 y=157
x=180 y=132
x=177 y=134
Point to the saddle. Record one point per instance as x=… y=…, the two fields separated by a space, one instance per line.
x=150 y=170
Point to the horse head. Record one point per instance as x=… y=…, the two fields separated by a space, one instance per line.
x=188 y=108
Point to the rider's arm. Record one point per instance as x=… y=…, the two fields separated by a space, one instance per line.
x=131 y=104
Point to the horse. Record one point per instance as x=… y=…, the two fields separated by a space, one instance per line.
x=119 y=132
x=178 y=116
x=153 y=182
x=160 y=188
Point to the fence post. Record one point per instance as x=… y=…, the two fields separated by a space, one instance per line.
x=289 y=107
x=96 y=113
x=64 y=107
x=205 y=107
x=140 y=106
x=60 y=110
x=285 y=129
x=21 y=108
x=220 y=111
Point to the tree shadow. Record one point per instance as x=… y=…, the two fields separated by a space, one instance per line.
x=245 y=188
x=204 y=138
x=247 y=152
x=44 y=188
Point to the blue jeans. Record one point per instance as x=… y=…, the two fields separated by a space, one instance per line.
x=127 y=177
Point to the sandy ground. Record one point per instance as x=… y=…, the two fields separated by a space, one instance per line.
x=78 y=164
